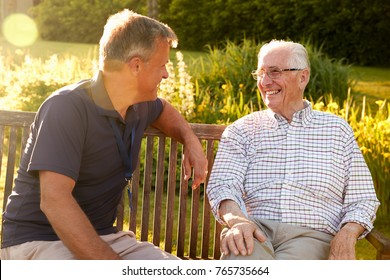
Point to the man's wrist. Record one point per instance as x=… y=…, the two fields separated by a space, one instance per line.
x=353 y=229
x=233 y=220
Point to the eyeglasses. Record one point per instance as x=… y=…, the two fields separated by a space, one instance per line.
x=272 y=73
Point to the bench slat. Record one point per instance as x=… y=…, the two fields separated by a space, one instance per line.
x=183 y=194
x=170 y=209
x=159 y=191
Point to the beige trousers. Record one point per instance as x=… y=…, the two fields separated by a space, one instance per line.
x=286 y=242
x=123 y=243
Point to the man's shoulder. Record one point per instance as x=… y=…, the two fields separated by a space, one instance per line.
x=330 y=120
x=70 y=94
x=328 y=117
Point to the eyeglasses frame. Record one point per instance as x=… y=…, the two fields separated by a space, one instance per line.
x=256 y=76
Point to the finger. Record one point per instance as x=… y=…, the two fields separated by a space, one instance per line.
x=240 y=242
x=260 y=236
x=200 y=175
x=224 y=246
x=187 y=168
x=195 y=183
x=231 y=244
x=249 y=243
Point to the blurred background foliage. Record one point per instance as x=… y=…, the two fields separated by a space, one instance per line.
x=348 y=29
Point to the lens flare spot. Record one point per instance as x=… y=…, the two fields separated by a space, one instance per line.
x=20 y=30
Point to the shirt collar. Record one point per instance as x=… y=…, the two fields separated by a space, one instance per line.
x=303 y=116
x=100 y=97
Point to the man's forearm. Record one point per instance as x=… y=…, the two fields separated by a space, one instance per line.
x=172 y=123
x=68 y=220
x=231 y=212
x=75 y=230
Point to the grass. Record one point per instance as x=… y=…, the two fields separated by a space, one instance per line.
x=44 y=49
x=371 y=81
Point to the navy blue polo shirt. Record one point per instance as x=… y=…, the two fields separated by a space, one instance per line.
x=72 y=135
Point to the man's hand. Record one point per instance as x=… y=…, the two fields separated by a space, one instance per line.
x=194 y=157
x=174 y=125
x=239 y=239
x=342 y=247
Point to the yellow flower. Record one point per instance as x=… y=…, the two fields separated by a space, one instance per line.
x=224 y=86
x=379 y=102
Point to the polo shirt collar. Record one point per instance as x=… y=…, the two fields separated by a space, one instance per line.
x=100 y=97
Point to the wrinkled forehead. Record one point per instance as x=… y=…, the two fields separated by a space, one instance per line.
x=273 y=57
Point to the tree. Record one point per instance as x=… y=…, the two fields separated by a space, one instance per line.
x=77 y=20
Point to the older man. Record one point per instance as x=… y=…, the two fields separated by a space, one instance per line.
x=290 y=182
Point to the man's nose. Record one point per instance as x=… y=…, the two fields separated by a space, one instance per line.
x=265 y=80
x=165 y=73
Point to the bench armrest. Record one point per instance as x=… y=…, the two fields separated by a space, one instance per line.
x=381 y=244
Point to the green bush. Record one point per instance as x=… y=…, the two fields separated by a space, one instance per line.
x=76 y=21
x=349 y=29
x=27 y=81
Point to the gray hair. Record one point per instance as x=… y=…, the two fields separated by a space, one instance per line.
x=298 y=54
x=127 y=35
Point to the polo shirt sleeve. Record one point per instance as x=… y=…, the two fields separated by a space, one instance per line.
x=58 y=135
x=154 y=110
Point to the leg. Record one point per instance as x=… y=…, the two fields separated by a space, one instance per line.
x=292 y=242
x=302 y=244
x=125 y=244
x=37 y=250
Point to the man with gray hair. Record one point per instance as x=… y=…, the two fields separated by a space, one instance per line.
x=83 y=148
x=290 y=182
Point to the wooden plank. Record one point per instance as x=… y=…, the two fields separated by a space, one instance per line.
x=10 y=170
x=170 y=209
x=158 y=192
x=203 y=131
x=147 y=188
x=217 y=242
x=206 y=226
x=381 y=244
x=16 y=118
x=194 y=222
x=134 y=199
x=181 y=228
x=120 y=212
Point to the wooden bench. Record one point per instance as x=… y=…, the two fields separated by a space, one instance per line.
x=165 y=211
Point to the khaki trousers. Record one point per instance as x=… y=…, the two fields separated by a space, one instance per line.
x=123 y=243
x=286 y=242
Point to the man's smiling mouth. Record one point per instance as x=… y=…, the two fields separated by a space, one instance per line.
x=272 y=92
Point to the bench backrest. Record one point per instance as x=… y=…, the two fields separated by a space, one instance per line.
x=164 y=209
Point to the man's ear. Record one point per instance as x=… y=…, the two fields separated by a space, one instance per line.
x=304 y=78
x=134 y=64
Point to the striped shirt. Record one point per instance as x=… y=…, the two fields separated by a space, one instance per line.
x=309 y=172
